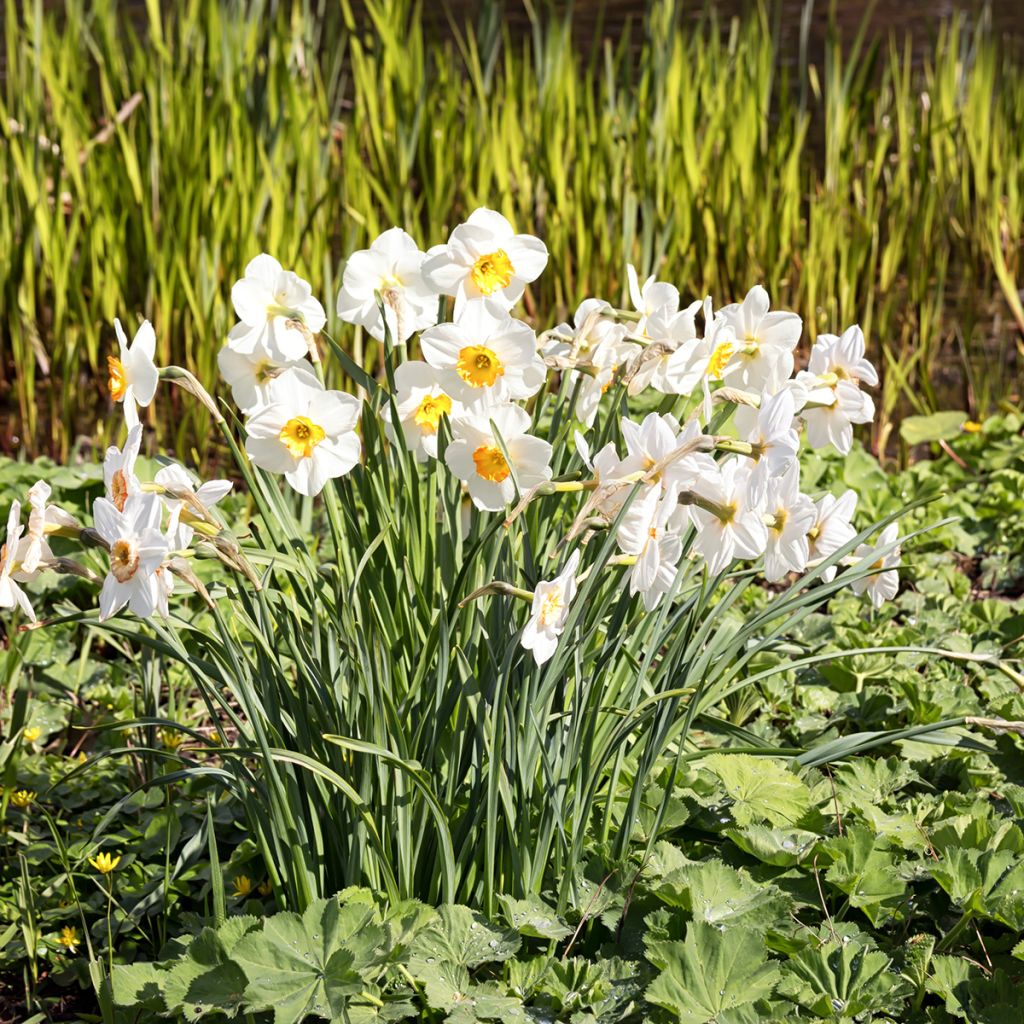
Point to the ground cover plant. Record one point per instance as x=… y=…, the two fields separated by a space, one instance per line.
x=548 y=677
x=146 y=153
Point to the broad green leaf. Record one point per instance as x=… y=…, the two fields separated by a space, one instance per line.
x=722 y=896
x=939 y=426
x=294 y=962
x=842 y=979
x=714 y=977
x=761 y=789
x=780 y=847
x=863 y=868
x=139 y=985
x=534 y=918
x=460 y=937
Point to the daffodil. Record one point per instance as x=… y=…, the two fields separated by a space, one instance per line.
x=69 y=938
x=420 y=404
x=483 y=357
x=670 y=364
x=392 y=269
x=476 y=457
x=242 y=887
x=11 y=594
x=651 y=297
x=304 y=432
x=832 y=529
x=277 y=311
x=765 y=341
x=132 y=373
x=22 y=798
x=789 y=516
x=249 y=372
x=187 y=502
x=836 y=369
x=729 y=524
x=649 y=531
x=883 y=557
x=104 y=863
x=771 y=432
x=485 y=262
x=119 y=469
x=658 y=441
x=137 y=549
x=550 y=609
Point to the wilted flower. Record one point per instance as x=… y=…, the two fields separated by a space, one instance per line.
x=485 y=261
x=304 y=432
x=132 y=374
x=392 y=268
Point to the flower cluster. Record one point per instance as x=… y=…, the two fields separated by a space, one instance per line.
x=713 y=482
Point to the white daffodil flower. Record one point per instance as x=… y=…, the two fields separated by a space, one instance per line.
x=179 y=503
x=614 y=475
x=475 y=455
x=765 y=341
x=304 y=431
x=770 y=429
x=248 y=373
x=132 y=374
x=659 y=437
x=596 y=342
x=420 y=402
x=843 y=357
x=119 y=469
x=650 y=531
x=831 y=529
x=485 y=261
x=551 y=600
x=11 y=595
x=835 y=401
x=729 y=524
x=791 y=515
x=667 y=364
x=883 y=583
x=137 y=549
x=484 y=357
x=274 y=305
x=392 y=268
x=650 y=297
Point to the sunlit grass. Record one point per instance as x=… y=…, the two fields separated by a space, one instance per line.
x=866 y=187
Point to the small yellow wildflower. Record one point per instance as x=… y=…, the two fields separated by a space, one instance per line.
x=215 y=738
x=22 y=798
x=69 y=938
x=104 y=863
x=170 y=738
x=970 y=427
x=243 y=887
x=32 y=733
x=266 y=888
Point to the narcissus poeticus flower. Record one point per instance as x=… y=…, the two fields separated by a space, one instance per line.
x=485 y=261
x=277 y=309
x=137 y=549
x=476 y=456
x=551 y=600
x=391 y=268
x=304 y=431
x=132 y=373
x=11 y=595
x=420 y=404
x=884 y=581
x=485 y=357
x=765 y=341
